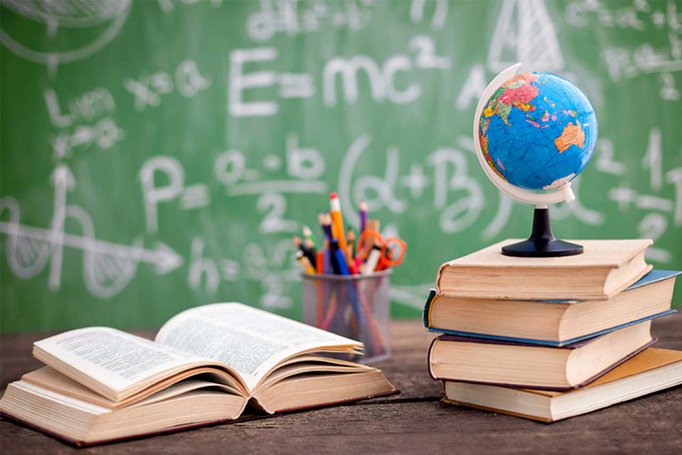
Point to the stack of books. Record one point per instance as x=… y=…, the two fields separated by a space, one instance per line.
x=551 y=338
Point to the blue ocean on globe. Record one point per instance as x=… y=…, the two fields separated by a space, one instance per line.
x=538 y=131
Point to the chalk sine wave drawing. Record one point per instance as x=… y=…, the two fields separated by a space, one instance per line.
x=107 y=267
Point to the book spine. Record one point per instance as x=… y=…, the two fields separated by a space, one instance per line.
x=428 y=359
x=441 y=269
x=426 y=313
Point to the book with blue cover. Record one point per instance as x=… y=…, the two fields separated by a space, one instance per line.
x=551 y=322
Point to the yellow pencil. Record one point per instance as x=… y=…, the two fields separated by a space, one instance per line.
x=337 y=221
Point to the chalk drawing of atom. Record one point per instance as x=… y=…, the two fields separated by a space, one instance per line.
x=73 y=29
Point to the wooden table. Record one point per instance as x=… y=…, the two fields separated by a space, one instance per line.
x=413 y=422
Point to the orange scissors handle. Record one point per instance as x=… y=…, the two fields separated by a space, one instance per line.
x=389 y=247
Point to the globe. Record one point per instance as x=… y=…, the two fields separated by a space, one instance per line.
x=533 y=134
x=537 y=131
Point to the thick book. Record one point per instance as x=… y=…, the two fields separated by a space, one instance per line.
x=650 y=371
x=551 y=322
x=605 y=268
x=205 y=366
x=464 y=359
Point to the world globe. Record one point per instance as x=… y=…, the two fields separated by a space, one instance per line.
x=537 y=131
x=533 y=134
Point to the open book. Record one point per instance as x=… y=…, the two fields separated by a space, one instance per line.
x=205 y=365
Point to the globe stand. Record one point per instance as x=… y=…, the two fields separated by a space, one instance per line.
x=542 y=243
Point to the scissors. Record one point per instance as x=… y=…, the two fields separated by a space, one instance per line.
x=392 y=249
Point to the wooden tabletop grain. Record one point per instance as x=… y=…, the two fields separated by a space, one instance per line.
x=413 y=422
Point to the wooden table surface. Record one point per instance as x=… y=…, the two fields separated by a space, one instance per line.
x=413 y=422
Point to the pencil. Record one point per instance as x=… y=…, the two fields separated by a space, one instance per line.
x=337 y=220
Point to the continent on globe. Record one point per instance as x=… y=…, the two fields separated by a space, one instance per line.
x=537 y=131
x=517 y=92
x=571 y=135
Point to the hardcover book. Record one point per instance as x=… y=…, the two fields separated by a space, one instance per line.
x=551 y=322
x=650 y=371
x=604 y=269
x=205 y=365
x=529 y=366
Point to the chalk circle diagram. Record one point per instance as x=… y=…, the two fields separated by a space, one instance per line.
x=90 y=25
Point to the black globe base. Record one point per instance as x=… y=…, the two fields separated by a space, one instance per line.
x=542 y=243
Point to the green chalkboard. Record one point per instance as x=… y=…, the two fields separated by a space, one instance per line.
x=158 y=155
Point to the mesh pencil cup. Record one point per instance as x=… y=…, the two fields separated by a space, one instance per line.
x=353 y=306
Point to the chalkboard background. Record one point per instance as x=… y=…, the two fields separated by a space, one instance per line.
x=158 y=155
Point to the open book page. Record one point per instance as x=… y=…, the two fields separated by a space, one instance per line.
x=249 y=340
x=113 y=358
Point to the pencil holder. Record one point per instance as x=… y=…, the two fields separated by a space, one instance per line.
x=354 y=306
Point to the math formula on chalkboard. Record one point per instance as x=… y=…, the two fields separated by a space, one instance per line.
x=159 y=155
